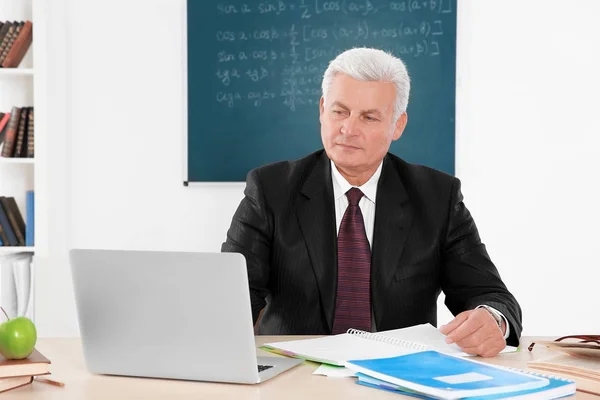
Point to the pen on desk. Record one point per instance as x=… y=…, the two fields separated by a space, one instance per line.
x=50 y=381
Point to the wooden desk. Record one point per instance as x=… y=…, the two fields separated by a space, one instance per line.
x=298 y=383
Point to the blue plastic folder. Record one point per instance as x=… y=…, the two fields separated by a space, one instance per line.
x=442 y=376
x=556 y=389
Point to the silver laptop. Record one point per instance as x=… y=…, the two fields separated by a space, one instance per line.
x=169 y=315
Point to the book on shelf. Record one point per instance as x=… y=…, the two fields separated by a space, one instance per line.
x=17 y=133
x=15 y=218
x=21 y=132
x=9 y=237
x=15 y=40
x=30 y=216
x=4 y=30
x=13 y=229
x=4 y=117
x=8 y=34
x=19 y=47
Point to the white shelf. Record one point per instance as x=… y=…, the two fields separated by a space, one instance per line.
x=9 y=160
x=16 y=72
x=5 y=250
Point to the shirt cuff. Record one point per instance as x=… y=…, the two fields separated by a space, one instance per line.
x=505 y=322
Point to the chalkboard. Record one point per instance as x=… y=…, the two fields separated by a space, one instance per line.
x=254 y=71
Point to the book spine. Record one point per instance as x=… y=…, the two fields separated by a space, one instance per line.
x=11 y=132
x=4 y=30
x=11 y=41
x=3 y=126
x=19 y=47
x=30 y=215
x=21 y=133
x=7 y=36
x=10 y=234
x=30 y=132
x=3 y=237
x=14 y=217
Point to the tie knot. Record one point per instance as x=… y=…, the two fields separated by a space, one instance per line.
x=354 y=195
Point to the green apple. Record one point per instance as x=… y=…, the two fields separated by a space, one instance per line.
x=17 y=338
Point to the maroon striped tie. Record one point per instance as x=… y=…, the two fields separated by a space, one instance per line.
x=353 y=305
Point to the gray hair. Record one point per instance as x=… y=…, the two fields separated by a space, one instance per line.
x=366 y=64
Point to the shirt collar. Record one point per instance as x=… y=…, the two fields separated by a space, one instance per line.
x=341 y=185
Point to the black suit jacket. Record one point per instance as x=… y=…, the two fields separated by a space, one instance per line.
x=424 y=241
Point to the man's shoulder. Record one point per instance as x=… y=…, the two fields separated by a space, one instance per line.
x=417 y=176
x=286 y=172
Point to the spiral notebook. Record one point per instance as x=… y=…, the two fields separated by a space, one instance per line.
x=360 y=345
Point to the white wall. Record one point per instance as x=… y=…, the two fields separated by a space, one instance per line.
x=527 y=102
x=527 y=146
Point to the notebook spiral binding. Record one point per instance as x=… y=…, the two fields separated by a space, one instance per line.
x=388 y=340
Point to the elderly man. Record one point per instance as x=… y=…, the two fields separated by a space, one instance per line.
x=354 y=237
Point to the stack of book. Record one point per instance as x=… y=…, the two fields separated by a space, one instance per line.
x=579 y=362
x=13 y=229
x=15 y=40
x=17 y=133
x=17 y=373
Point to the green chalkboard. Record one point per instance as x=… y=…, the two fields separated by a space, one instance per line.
x=254 y=72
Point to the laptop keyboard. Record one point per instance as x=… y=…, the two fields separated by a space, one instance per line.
x=262 y=368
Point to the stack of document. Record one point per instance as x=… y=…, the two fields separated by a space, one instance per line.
x=335 y=350
x=417 y=361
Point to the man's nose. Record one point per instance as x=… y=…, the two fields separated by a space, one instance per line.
x=350 y=126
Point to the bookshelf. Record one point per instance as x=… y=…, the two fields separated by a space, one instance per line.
x=19 y=87
x=15 y=249
x=17 y=161
x=11 y=72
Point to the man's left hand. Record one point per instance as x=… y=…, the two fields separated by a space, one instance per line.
x=476 y=333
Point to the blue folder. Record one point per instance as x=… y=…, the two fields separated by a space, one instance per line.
x=557 y=388
x=443 y=376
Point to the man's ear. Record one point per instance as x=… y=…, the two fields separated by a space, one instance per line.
x=321 y=108
x=400 y=125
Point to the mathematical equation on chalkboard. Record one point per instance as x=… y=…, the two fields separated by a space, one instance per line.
x=283 y=56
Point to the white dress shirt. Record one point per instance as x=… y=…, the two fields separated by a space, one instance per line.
x=366 y=203
x=367 y=208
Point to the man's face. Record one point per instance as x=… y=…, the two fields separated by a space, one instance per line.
x=356 y=123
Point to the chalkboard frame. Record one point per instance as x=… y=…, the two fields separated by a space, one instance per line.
x=185 y=131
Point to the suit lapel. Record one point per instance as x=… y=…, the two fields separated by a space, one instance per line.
x=393 y=217
x=316 y=216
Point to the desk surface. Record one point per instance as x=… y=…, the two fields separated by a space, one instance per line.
x=298 y=383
